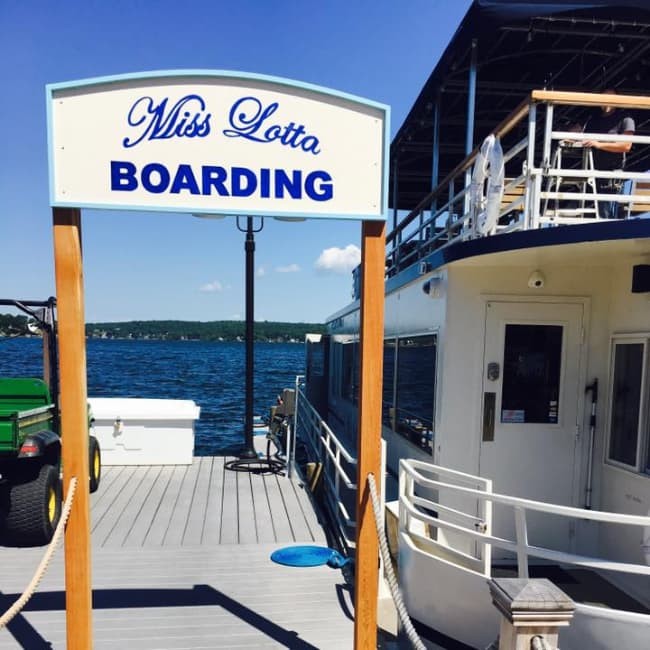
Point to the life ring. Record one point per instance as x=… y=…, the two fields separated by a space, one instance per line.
x=486 y=197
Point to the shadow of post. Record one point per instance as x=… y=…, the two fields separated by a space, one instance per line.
x=198 y=596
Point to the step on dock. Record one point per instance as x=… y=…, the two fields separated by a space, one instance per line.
x=181 y=559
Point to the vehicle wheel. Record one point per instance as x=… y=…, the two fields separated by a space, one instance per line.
x=34 y=506
x=94 y=463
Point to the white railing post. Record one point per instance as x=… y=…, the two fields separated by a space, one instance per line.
x=337 y=481
x=530 y=166
x=530 y=609
x=522 y=542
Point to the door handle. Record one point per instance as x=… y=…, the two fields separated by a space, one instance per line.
x=489 y=413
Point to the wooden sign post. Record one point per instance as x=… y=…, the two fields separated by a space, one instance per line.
x=74 y=423
x=373 y=247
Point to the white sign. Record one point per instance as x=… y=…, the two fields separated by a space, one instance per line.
x=217 y=142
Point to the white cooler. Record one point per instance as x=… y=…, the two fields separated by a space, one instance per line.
x=134 y=431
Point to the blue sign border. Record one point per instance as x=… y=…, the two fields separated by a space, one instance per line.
x=50 y=90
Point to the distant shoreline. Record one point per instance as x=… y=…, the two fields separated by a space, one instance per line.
x=173 y=330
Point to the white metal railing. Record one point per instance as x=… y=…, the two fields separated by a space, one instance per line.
x=336 y=464
x=532 y=188
x=420 y=486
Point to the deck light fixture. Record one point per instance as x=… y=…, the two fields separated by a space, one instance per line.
x=248 y=459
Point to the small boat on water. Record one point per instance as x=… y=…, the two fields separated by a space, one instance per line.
x=516 y=391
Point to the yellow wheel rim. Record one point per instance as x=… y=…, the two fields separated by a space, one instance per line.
x=95 y=465
x=51 y=505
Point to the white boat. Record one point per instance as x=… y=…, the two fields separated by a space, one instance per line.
x=516 y=385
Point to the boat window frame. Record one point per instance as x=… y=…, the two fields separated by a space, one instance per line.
x=435 y=334
x=640 y=467
x=338 y=343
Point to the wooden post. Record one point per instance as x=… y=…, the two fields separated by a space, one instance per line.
x=74 y=423
x=530 y=609
x=369 y=432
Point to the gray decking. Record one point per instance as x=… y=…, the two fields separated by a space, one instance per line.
x=181 y=560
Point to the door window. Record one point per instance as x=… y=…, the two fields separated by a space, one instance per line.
x=532 y=361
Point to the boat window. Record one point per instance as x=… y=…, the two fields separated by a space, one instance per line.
x=415 y=389
x=388 y=384
x=350 y=374
x=532 y=360
x=626 y=402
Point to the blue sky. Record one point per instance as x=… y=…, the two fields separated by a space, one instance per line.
x=173 y=266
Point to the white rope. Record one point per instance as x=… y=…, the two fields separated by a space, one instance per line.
x=49 y=552
x=395 y=591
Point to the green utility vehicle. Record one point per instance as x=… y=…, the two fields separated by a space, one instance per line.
x=30 y=442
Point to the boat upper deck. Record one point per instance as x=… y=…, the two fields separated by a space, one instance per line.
x=181 y=559
x=531 y=175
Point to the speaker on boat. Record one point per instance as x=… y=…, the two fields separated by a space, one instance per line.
x=433 y=287
x=641 y=278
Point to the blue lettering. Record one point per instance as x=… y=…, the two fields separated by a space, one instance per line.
x=247 y=122
x=237 y=176
x=214 y=177
x=292 y=185
x=266 y=183
x=123 y=176
x=272 y=133
x=150 y=182
x=184 y=180
x=324 y=191
x=185 y=119
x=248 y=119
x=310 y=144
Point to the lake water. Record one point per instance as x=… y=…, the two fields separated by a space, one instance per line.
x=211 y=374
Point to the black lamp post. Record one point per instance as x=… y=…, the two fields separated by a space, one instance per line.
x=248 y=459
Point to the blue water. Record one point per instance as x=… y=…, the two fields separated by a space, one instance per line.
x=211 y=374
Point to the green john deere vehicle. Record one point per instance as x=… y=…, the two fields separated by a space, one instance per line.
x=30 y=442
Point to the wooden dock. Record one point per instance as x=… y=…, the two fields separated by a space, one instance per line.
x=181 y=560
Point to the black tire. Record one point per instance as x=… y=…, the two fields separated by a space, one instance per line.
x=94 y=463
x=34 y=505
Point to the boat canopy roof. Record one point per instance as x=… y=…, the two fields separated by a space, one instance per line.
x=580 y=45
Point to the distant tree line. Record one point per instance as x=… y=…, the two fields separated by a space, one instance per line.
x=11 y=325
x=223 y=330
x=176 y=330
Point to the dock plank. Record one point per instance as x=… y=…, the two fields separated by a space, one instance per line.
x=309 y=512
x=196 y=516
x=139 y=487
x=281 y=524
x=246 y=508
x=295 y=513
x=212 y=528
x=123 y=490
x=162 y=518
x=263 y=517
x=140 y=528
x=182 y=505
x=229 y=524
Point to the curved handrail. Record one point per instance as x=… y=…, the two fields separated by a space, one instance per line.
x=417 y=507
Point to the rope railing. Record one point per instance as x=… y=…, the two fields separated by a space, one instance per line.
x=395 y=591
x=45 y=561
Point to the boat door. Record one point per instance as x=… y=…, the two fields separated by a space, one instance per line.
x=532 y=404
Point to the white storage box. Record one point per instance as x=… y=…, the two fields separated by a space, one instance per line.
x=135 y=431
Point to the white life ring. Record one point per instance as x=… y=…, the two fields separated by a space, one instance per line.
x=486 y=201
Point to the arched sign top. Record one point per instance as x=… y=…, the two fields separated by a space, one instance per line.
x=217 y=142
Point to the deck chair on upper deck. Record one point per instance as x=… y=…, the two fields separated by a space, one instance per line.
x=637 y=208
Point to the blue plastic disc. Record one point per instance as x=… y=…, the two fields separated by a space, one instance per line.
x=302 y=555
